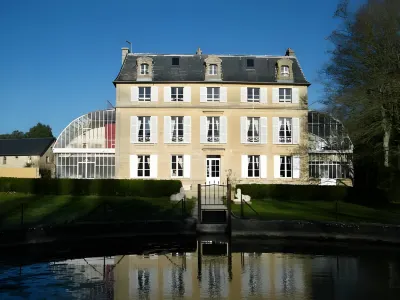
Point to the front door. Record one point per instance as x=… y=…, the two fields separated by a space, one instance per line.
x=86 y=170
x=213 y=169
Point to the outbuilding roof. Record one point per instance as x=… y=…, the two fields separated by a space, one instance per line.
x=25 y=147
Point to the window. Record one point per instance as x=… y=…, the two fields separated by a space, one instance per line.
x=47 y=160
x=143 y=166
x=286 y=166
x=144 y=69
x=253 y=130
x=176 y=93
x=177 y=129
x=250 y=63
x=213 y=94
x=285 y=130
x=285 y=95
x=328 y=166
x=213 y=130
x=285 y=71
x=213 y=69
x=253 y=94
x=16 y=157
x=144 y=129
x=4 y=160
x=144 y=94
x=253 y=168
x=177 y=166
x=175 y=61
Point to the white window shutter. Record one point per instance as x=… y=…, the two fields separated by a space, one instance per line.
x=203 y=129
x=245 y=164
x=187 y=94
x=153 y=166
x=223 y=94
x=243 y=94
x=296 y=130
x=203 y=94
x=275 y=130
x=153 y=129
x=133 y=166
x=263 y=131
x=134 y=93
x=154 y=93
x=295 y=95
x=296 y=166
x=277 y=166
x=223 y=130
x=243 y=130
x=186 y=166
x=263 y=166
x=187 y=129
x=263 y=95
x=275 y=95
x=167 y=129
x=134 y=129
x=167 y=94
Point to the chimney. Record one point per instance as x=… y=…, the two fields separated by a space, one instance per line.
x=125 y=52
x=290 y=52
x=199 y=52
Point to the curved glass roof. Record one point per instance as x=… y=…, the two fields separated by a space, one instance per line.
x=93 y=130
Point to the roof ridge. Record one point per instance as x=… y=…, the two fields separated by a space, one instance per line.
x=211 y=54
x=15 y=139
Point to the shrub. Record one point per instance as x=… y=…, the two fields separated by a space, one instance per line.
x=101 y=187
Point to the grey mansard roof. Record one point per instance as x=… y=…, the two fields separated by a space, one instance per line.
x=191 y=68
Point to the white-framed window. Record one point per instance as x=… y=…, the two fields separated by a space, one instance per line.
x=253 y=94
x=285 y=95
x=285 y=72
x=144 y=69
x=285 y=130
x=144 y=129
x=213 y=69
x=177 y=166
x=143 y=167
x=177 y=129
x=213 y=129
x=176 y=93
x=213 y=94
x=253 y=130
x=328 y=166
x=144 y=93
x=285 y=169
x=253 y=167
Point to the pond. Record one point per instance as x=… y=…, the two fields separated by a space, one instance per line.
x=215 y=270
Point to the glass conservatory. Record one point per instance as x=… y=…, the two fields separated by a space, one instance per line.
x=330 y=148
x=86 y=147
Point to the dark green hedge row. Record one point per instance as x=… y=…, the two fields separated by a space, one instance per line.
x=314 y=193
x=102 y=187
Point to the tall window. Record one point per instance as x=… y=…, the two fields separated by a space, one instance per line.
x=253 y=94
x=176 y=93
x=177 y=129
x=286 y=166
x=144 y=69
x=285 y=130
x=253 y=168
x=143 y=166
x=213 y=124
x=144 y=93
x=253 y=130
x=285 y=71
x=213 y=69
x=213 y=94
x=285 y=95
x=144 y=132
x=177 y=166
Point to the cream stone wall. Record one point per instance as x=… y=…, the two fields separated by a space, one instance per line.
x=18 y=161
x=19 y=172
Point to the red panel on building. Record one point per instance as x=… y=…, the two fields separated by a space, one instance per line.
x=110 y=135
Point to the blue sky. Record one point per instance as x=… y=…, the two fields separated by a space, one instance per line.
x=58 y=58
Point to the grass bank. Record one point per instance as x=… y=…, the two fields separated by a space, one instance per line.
x=52 y=210
x=271 y=209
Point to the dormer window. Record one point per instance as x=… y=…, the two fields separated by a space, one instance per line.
x=285 y=71
x=213 y=69
x=250 y=63
x=144 y=69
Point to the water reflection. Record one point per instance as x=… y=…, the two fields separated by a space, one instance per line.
x=212 y=272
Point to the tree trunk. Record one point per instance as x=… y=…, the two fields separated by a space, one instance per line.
x=386 y=138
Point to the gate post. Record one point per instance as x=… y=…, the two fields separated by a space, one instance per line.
x=199 y=203
x=228 y=204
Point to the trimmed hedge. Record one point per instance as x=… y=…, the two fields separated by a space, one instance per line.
x=314 y=193
x=101 y=187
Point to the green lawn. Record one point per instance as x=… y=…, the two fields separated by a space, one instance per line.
x=41 y=210
x=319 y=211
